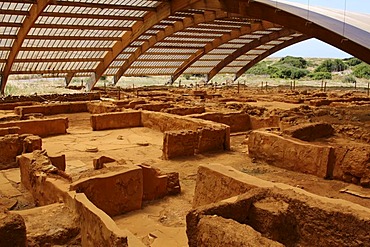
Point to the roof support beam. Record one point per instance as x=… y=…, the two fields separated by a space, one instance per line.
x=150 y=19
x=247 y=47
x=28 y=23
x=68 y=78
x=269 y=13
x=188 y=21
x=222 y=40
x=269 y=52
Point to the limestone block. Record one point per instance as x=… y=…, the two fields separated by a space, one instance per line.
x=179 y=144
x=12 y=230
x=117 y=120
x=291 y=154
x=32 y=143
x=310 y=131
x=115 y=192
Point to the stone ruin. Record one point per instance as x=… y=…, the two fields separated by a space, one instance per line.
x=59 y=201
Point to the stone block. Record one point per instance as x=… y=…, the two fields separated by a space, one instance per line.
x=154 y=183
x=40 y=127
x=291 y=154
x=291 y=217
x=58 y=161
x=115 y=192
x=310 y=131
x=32 y=143
x=9 y=131
x=237 y=121
x=179 y=144
x=12 y=230
x=117 y=120
x=10 y=147
x=218 y=231
x=261 y=122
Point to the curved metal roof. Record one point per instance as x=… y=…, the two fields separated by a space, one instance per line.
x=91 y=38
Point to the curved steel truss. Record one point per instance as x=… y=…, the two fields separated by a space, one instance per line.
x=92 y=38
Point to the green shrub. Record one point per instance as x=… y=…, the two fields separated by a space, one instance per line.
x=362 y=71
x=353 y=61
x=320 y=76
x=297 y=62
x=331 y=65
x=288 y=72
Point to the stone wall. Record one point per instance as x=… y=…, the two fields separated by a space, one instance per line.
x=153 y=106
x=349 y=162
x=118 y=120
x=52 y=109
x=211 y=136
x=13 y=145
x=285 y=216
x=291 y=154
x=51 y=97
x=40 y=127
x=11 y=106
x=218 y=231
x=237 y=121
x=182 y=111
x=169 y=122
x=97 y=228
x=115 y=192
x=12 y=230
x=180 y=143
x=9 y=131
x=310 y=131
x=283 y=213
x=261 y=122
x=102 y=107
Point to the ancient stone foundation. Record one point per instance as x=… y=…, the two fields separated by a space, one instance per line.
x=348 y=162
x=12 y=230
x=13 y=145
x=283 y=214
x=40 y=127
x=291 y=154
x=183 y=136
x=51 y=109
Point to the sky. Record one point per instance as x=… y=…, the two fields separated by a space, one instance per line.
x=316 y=47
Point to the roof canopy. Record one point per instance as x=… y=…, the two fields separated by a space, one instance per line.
x=91 y=38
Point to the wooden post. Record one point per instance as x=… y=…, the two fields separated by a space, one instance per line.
x=180 y=83
x=294 y=85
x=325 y=86
x=238 y=87
x=266 y=86
x=291 y=85
x=262 y=86
x=322 y=85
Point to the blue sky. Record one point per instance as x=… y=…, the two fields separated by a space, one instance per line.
x=318 y=48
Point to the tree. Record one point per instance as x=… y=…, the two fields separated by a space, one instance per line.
x=362 y=71
x=330 y=65
x=297 y=62
x=353 y=61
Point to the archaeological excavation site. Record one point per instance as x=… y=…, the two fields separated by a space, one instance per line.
x=168 y=123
